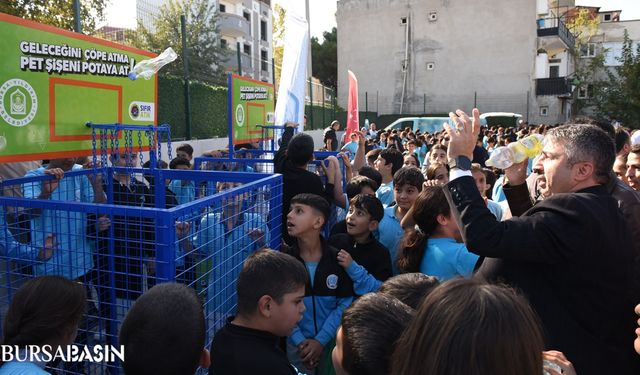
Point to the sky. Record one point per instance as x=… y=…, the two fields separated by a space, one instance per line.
x=322 y=12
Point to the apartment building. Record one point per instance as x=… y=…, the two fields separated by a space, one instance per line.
x=243 y=23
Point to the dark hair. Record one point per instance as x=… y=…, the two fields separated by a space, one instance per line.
x=186 y=148
x=300 y=149
x=468 y=327
x=267 y=272
x=373 y=154
x=177 y=161
x=433 y=167
x=372 y=173
x=370 y=328
x=429 y=204
x=415 y=157
x=622 y=138
x=164 y=331
x=410 y=288
x=408 y=176
x=160 y=164
x=369 y=204
x=587 y=143
x=393 y=156
x=490 y=177
x=354 y=187
x=44 y=311
x=314 y=201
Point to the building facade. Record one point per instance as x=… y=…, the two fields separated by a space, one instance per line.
x=243 y=23
x=433 y=56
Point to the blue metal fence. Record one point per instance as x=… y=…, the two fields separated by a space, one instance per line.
x=145 y=233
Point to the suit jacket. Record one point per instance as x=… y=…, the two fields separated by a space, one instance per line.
x=571 y=255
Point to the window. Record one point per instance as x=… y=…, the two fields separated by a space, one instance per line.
x=224 y=44
x=263 y=30
x=612 y=54
x=554 y=71
x=431 y=66
x=433 y=16
x=588 y=50
x=247 y=49
x=223 y=8
x=403 y=20
x=246 y=15
x=544 y=111
x=585 y=92
x=606 y=17
x=264 y=61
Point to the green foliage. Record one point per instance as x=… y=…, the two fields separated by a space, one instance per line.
x=325 y=58
x=208 y=108
x=205 y=53
x=619 y=99
x=58 y=13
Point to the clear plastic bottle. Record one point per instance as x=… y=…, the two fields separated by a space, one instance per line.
x=147 y=68
x=516 y=152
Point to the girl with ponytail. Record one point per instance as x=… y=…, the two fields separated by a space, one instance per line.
x=436 y=249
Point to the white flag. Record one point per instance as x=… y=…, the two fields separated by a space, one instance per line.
x=293 y=77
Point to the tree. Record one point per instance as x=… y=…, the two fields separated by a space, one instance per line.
x=325 y=58
x=619 y=99
x=588 y=75
x=206 y=55
x=58 y=13
x=279 y=14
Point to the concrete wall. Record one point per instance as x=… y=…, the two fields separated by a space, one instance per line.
x=488 y=49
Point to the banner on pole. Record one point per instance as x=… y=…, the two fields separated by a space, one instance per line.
x=352 y=107
x=53 y=81
x=293 y=77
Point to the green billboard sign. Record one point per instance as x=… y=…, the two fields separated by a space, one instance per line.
x=52 y=82
x=251 y=103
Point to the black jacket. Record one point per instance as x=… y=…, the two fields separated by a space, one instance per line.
x=373 y=256
x=571 y=255
x=239 y=350
x=296 y=180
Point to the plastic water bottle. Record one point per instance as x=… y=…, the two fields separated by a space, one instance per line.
x=147 y=68
x=516 y=152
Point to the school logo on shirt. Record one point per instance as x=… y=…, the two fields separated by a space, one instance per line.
x=332 y=281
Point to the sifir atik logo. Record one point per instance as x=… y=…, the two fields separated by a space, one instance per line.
x=69 y=353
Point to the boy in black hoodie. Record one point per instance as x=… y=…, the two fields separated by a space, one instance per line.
x=366 y=261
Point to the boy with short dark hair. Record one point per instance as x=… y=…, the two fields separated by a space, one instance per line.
x=366 y=261
x=388 y=163
x=407 y=185
x=164 y=332
x=366 y=339
x=329 y=289
x=357 y=185
x=291 y=161
x=185 y=151
x=185 y=190
x=410 y=288
x=270 y=293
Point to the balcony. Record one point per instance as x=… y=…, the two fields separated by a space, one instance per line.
x=555 y=27
x=234 y=25
x=559 y=86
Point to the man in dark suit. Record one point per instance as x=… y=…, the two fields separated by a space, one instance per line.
x=570 y=254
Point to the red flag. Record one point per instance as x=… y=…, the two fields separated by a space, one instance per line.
x=352 y=107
